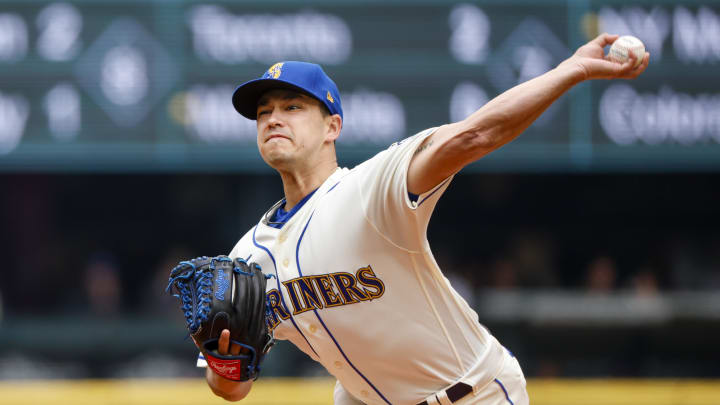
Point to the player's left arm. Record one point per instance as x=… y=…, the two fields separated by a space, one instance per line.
x=451 y=147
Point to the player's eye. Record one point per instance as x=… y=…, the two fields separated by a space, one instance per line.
x=263 y=112
x=293 y=107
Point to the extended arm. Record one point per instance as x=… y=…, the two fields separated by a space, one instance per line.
x=501 y=120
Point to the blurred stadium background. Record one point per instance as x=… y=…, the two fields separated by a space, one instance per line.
x=590 y=246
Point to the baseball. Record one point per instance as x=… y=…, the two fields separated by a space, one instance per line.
x=619 y=49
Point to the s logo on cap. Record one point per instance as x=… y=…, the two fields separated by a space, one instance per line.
x=275 y=70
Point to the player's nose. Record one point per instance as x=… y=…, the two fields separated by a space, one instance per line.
x=274 y=119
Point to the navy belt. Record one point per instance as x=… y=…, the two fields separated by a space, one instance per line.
x=455 y=392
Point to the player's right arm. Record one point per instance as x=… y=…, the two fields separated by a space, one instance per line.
x=502 y=119
x=228 y=390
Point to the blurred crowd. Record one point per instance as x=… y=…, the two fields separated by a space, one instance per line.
x=97 y=249
x=103 y=245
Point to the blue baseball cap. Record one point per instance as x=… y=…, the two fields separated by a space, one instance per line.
x=307 y=78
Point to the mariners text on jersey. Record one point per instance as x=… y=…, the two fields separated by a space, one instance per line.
x=324 y=291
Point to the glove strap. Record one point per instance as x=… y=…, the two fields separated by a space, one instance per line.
x=230 y=367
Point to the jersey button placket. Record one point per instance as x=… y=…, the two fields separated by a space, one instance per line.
x=313 y=328
x=338 y=365
x=286 y=263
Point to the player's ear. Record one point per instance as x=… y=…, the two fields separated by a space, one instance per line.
x=334 y=125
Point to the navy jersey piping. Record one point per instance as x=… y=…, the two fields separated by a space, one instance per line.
x=280 y=217
x=297 y=260
x=282 y=299
x=505 y=391
x=331 y=188
x=435 y=191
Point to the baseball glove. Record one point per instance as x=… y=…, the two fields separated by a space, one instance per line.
x=220 y=293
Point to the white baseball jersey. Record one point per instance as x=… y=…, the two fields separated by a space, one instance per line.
x=357 y=288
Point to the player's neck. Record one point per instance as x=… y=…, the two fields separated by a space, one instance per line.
x=300 y=182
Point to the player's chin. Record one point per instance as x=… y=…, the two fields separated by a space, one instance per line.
x=274 y=147
x=277 y=158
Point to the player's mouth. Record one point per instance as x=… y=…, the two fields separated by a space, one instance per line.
x=274 y=136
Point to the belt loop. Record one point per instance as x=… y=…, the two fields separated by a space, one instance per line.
x=443 y=398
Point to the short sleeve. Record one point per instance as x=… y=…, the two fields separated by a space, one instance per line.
x=384 y=194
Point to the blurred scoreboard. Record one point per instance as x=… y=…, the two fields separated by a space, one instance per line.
x=119 y=86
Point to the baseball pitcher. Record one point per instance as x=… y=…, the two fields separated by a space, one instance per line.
x=350 y=276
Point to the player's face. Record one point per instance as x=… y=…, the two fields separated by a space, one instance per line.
x=291 y=128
